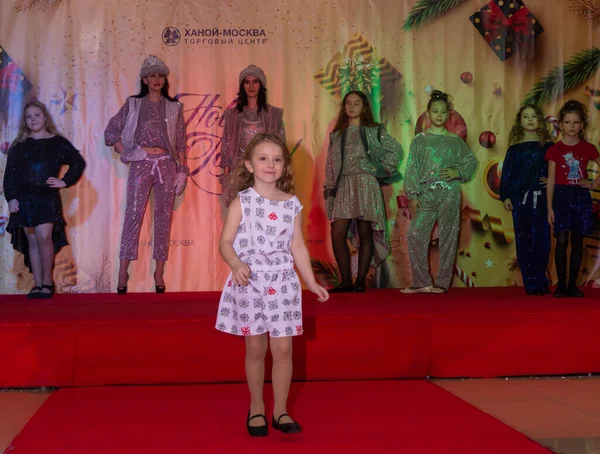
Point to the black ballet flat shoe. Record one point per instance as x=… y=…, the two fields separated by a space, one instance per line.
x=560 y=293
x=544 y=291
x=122 y=289
x=574 y=292
x=287 y=427
x=46 y=295
x=532 y=291
x=342 y=288
x=257 y=431
x=360 y=288
x=33 y=295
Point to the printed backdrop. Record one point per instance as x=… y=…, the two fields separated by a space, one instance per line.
x=82 y=58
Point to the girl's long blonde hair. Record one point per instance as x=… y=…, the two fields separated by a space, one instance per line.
x=243 y=179
x=517 y=132
x=24 y=131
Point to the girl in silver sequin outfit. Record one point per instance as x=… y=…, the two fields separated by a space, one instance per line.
x=360 y=151
x=438 y=162
x=149 y=133
x=251 y=115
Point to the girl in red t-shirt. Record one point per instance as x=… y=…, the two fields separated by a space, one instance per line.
x=568 y=195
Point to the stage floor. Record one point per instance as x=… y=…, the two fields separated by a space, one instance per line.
x=99 y=339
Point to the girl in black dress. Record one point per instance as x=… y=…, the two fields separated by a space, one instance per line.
x=31 y=188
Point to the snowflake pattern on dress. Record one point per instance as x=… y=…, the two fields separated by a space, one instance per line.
x=263 y=242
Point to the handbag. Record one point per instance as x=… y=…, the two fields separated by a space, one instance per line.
x=388 y=178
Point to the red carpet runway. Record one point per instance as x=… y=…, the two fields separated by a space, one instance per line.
x=337 y=417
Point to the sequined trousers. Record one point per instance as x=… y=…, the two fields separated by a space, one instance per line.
x=156 y=172
x=441 y=203
x=532 y=234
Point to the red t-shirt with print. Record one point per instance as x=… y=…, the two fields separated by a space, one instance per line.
x=571 y=161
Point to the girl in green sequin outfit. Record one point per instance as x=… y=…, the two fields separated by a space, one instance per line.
x=438 y=162
x=360 y=151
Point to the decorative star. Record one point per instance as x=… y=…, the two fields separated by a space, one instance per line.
x=64 y=101
x=489 y=263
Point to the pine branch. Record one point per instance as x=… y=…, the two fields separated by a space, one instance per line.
x=587 y=9
x=579 y=68
x=327 y=270
x=41 y=5
x=427 y=10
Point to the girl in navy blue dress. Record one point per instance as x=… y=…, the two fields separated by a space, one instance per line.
x=522 y=190
x=569 y=198
x=32 y=190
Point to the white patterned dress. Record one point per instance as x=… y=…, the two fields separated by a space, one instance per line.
x=272 y=301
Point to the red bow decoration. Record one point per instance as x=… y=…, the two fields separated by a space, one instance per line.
x=9 y=77
x=495 y=19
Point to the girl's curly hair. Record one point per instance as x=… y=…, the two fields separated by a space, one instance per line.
x=517 y=132
x=243 y=179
